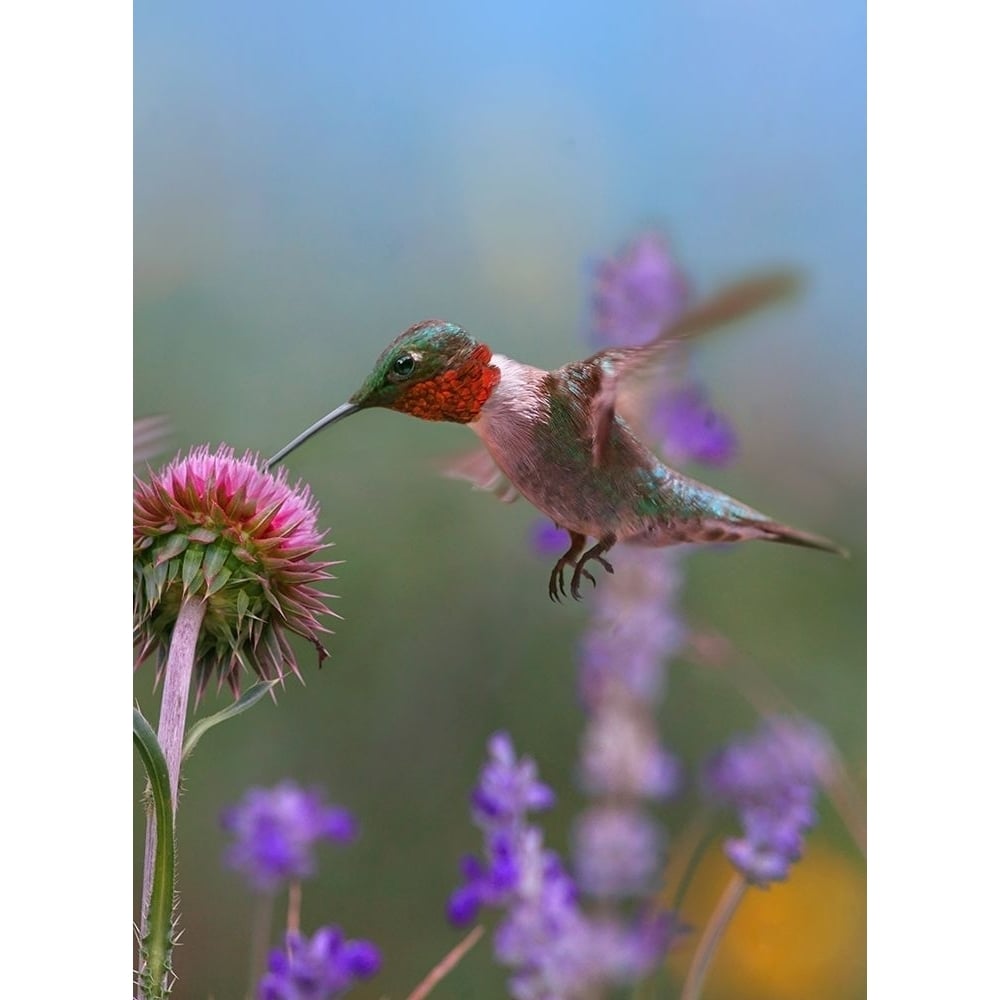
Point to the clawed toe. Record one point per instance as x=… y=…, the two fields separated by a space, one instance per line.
x=574 y=586
x=597 y=554
x=557 y=584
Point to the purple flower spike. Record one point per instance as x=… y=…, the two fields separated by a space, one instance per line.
x=617 y=852
x=621 y=756
x=275 y=830
x=690 y=430
x=553 y=948
x=508 y=788
x=322 y=968
x=637 y=293
x=770 y=779
x=628 y=953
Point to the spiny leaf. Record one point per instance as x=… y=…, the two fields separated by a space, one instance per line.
x=247 y=700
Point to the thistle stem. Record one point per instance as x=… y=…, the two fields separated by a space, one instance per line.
x=177 y=687
x=709 y=942
x=170 y=734
x=155 y=942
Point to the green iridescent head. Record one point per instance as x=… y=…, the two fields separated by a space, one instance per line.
x=424 y=351
x=434 y=370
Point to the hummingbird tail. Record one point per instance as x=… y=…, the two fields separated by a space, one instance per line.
x=771 y=531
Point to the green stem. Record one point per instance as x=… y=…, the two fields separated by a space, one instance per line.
x=709 y=942
x=260 y=939
x=709 y=829
x=157 y=939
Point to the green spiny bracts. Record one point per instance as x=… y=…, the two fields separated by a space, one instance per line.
x=222 y=530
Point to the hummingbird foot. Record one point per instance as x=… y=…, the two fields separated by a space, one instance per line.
x=596 y=553
x=557 y=585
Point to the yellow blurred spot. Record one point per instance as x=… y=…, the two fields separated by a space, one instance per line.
x=803 y=939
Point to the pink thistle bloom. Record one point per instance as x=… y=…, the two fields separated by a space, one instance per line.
x=221 y=529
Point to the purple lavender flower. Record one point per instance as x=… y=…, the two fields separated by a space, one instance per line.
x=627 y=952
x=770 y=779
x=690 y=430
x=276 y=829
x=508 y=788
x=637 y=293
x=617 y=851
x=321 y=968
x=635 y=630
x=545 y=937
x=622 y=756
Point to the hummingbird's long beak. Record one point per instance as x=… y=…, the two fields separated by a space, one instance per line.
x=331 y=418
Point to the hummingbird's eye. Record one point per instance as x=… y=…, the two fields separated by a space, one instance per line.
x=402 y=367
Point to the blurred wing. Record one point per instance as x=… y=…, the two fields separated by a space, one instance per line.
x=478 y=468
x=149 y=437
x=618 y=364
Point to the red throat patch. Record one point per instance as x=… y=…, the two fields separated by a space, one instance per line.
x=457 y=394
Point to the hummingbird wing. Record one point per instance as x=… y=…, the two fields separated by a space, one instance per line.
x=618 y=364
x=477 y=467
x=149 y=437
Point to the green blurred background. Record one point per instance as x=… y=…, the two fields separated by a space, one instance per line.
x=309 y=180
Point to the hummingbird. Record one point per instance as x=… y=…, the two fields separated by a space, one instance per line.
x=564 y=439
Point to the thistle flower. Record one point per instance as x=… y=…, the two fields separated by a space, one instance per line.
x=770 y=779
x=276 y=829
x=319 y=968
x=222 y=531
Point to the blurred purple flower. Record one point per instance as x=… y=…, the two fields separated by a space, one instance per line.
x=629 y=952
x=617 y=851
x=276 y=829
x=508 y=788
x=690 y=430
x=621 y=756
x=547 y=539
x=321 y=968
x=634 y=631
x=545 y=937
x=637 y=293
x=770 y=779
